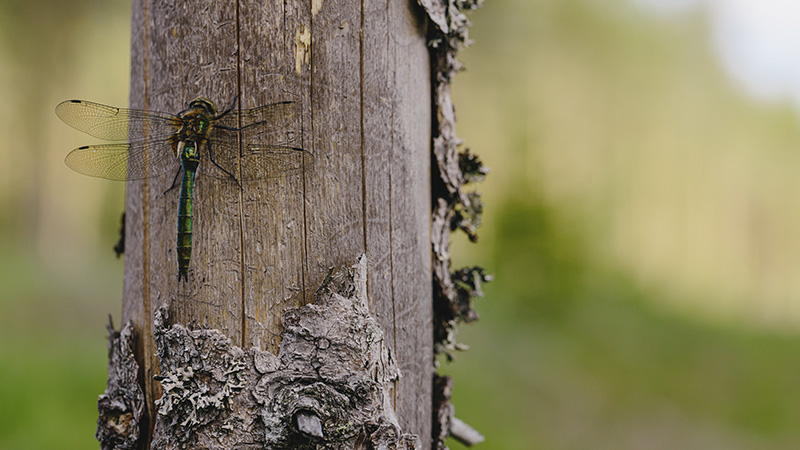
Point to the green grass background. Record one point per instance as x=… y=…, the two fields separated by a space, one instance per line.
x=641 y=223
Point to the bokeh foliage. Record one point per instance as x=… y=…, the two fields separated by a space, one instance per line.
x=642 y=232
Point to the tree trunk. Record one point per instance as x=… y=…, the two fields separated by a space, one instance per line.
x=360 y=71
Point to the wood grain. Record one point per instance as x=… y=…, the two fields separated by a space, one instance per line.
x=335 y=216
x=274 y=209
x=359 y=73
x=411 y=257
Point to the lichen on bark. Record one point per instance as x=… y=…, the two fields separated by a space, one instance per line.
x=120 y=406
x=328 y=388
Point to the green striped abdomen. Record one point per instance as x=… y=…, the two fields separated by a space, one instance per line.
x=189 y=162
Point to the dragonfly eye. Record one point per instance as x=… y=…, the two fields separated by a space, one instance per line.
x=205 y=104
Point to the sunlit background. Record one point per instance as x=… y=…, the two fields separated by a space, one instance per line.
x=642 y=222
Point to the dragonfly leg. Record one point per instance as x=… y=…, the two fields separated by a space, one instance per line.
x=223 y=127
x=211 y=157
x=230 y=108
x=254 y=124
x=174 y=181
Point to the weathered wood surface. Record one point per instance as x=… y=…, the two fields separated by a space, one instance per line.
x=360 y=73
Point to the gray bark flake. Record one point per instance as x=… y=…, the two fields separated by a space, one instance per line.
x=122 y=403
x=453 y=208
x=327 y=389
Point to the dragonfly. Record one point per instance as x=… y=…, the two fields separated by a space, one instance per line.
x=238 y=145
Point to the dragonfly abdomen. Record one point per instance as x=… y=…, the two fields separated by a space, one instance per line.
x=189 y=162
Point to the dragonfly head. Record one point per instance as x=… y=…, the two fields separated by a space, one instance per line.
x=204 y=104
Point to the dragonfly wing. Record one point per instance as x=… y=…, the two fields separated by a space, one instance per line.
x=128 y=161
x=258 y=161
x=264 y=119
x=116 y=124
x=266 y=140
x=269 y=161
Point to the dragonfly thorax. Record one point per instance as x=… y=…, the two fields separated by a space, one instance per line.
x=197 y=120
x=195 y=127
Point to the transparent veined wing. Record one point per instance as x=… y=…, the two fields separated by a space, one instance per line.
x=269 y=161
x=257 y=161
x=270 y=142
x=116 y=124
x=268 y=120
x=124 y=161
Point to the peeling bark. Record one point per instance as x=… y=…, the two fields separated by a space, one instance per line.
x=328 y=387
x=121 y=404
x=119 y=247
x=445 y=423
x=443 y=410
x=334 y=374
x=453 y=207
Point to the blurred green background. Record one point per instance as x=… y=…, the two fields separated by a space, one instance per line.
x=641 y=220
